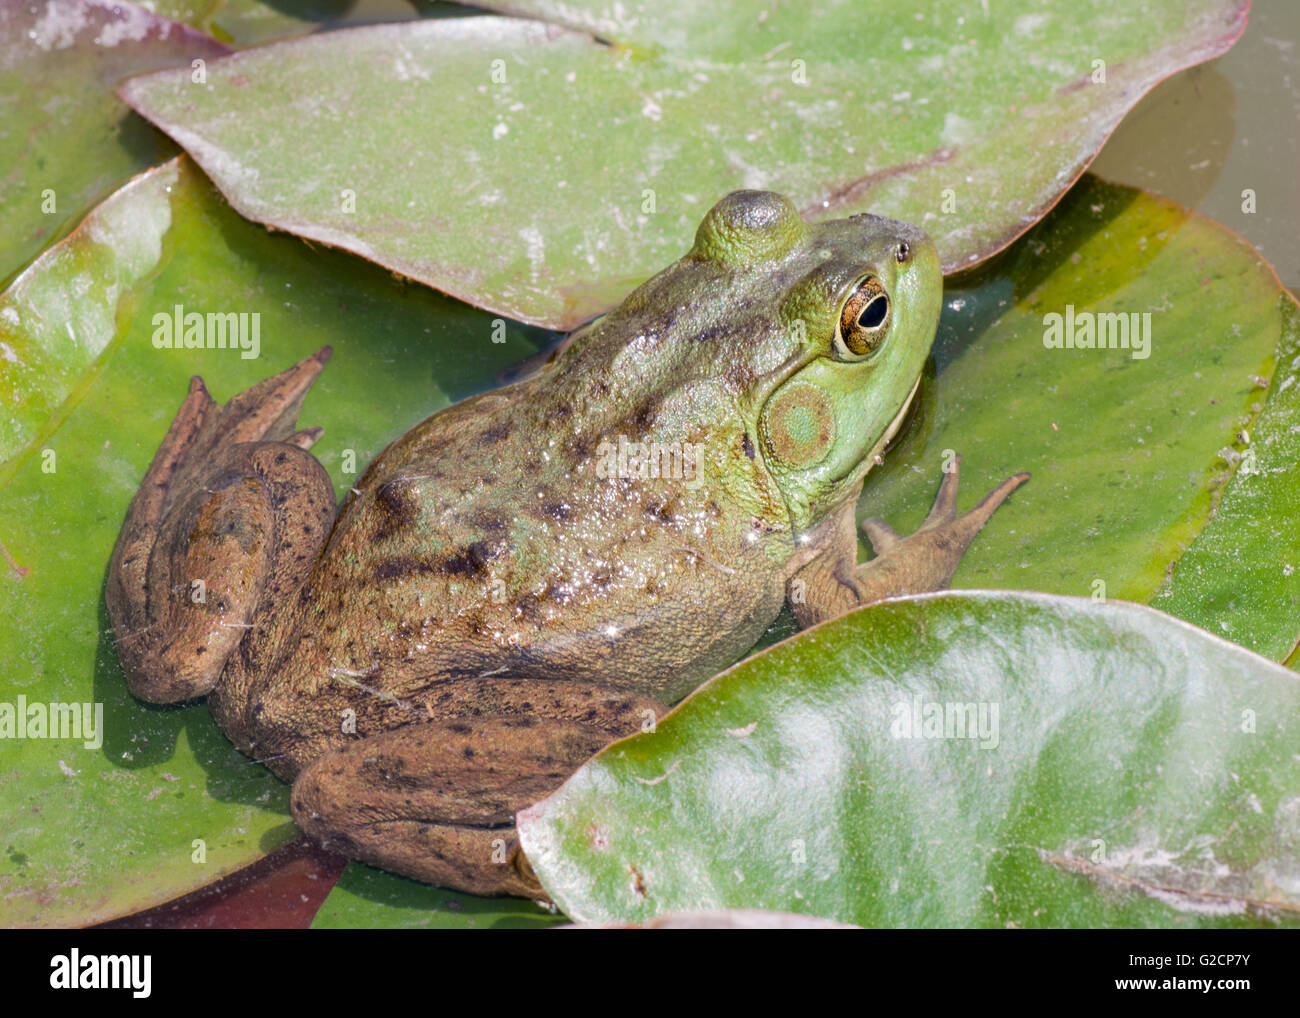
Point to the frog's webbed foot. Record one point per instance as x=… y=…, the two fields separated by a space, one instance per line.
x=436 y=800
x=834 y=581
x=229 y=516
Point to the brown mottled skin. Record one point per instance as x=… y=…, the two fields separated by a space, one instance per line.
x=491 y=606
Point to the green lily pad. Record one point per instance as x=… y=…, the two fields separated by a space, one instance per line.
x=369 y=899
x=960 y=759
x=240 y=23
x=1241 y=576
x=540 y=170
x=96 y=832
x=1129 y=454
x=66 y=138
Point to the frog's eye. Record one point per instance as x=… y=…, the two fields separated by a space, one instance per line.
x=864 y=320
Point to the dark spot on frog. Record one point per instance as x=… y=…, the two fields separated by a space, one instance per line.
x=660 y=324
x=393 y=499
x=579 y=447
x=401 y=565
x=662 y=509
x=527 y=608
x=468 y=753
x=489 y=522
x=748 y=445
x=557 y=510
x=712 y=332
x=470 y=561
x=494 y=434
x=643 y=417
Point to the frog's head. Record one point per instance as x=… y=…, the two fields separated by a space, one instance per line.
x=854 y=307
x=801 y=343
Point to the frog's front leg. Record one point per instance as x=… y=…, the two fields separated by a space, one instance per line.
x=225 y=526
x=832 y=581
x=436 y=799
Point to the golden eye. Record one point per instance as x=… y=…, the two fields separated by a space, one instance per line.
x=864 y=320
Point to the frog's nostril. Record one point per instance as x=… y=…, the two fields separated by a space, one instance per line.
x=903 y=252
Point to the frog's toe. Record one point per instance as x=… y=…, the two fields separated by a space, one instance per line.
x=943 y=514
x=268 y=411
x=927 y=559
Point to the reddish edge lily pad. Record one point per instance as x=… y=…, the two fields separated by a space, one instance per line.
x=66 y=139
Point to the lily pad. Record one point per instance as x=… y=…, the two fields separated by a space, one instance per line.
x=94 y=832
x=960 y=759
x=1241 y=576
x=240 y=23
x=369 y=899
x=540 y=170
x=66 y=139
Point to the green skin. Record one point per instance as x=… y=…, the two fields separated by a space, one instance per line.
x=494 y=602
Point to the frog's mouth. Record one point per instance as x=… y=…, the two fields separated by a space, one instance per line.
x=877 y=454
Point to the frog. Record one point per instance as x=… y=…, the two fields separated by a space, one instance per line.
x=541 y=569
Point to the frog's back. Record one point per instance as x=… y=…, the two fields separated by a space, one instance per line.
x=475 y=546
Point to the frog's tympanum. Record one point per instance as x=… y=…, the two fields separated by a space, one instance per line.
x=536 y=571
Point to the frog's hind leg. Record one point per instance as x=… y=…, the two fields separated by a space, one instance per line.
x=436 y=800
x=228 y=517
x=834 y=581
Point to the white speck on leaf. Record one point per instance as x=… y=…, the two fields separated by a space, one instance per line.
x=661 y=777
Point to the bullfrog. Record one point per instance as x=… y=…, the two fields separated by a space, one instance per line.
x=538 y=570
